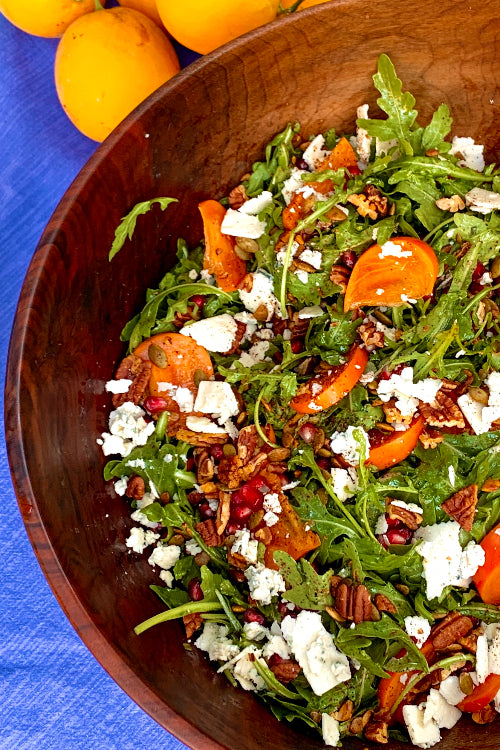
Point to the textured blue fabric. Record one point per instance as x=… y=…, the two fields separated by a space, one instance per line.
x=53 y=693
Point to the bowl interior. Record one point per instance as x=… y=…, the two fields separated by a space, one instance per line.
x=192 y=140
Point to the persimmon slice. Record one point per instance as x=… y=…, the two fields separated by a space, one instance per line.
x=388 y=450
x=342 y=155
x=175 y=359
x=290 y=535
x=220 y=257
x=326 y=389
x=404 y=268
x=482 y=694
x=487 y=577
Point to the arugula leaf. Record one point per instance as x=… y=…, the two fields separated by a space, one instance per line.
x=438 y=128
x=126 y=227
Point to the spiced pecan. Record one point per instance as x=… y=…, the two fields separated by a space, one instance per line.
x=138 y=371
x=237 y=197
x=384 y=604
x=469 y=642
x=371 y=338
x=205 y=467
x=353 y=602
x=192 y=623
x=442 y=412
x=344 y=712
x=393 y=414
x=254 y=466
x=201 y=439
x=450 y=629
x=286 y=671
x=485 y=716
x=136 y=488
x=359 y=722
x=246 y=284
x=340 y=275
x=429 y=438
x=208 y=532
x=461 y=506
x=378 y=201
x=452 y=204
x=377 y=731
x=229 y=472
x=410 y=518
x=264 y=535
x=223 y=511
x=248 y=441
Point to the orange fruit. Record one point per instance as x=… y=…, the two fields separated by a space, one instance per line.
x=106 y=64
x=204 y=25
x=47 y=18
x=148 y=7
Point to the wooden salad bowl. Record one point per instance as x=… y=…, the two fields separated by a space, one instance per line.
x=193 y=139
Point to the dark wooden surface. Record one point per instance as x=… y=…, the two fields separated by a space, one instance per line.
x=193 y=140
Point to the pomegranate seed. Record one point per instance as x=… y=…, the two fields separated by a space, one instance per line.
x=308 y=432
x=349 y=258
x=259 y=483
x=297 y=346
x=232 y=528
x=241 y=513
x=206 y=511
x=277 y=358
x=354 y=170
x=478 y=271
x=274 y=660
x=198 y=300
x=253 y=615
x=386 y=374
x=324 y=463
x=399 y=536
x=394 y=523
x=190 y=464
x=195 y=498
x=302 y=164
x=252 y=497
x=155 y=404
x=216 y=452
x=194 y=590
x=476 y=287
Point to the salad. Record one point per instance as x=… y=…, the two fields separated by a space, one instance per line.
x=307 y=426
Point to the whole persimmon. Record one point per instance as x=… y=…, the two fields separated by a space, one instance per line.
x=148 y=7
x=106 y=64
x=49 y=18
x=204 y=25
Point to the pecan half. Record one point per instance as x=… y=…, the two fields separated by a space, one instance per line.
x=340 y=275
x=202 y=439
x=408 y=517
x=136 y=488
x=223 y=511
x=138 y=371
x=353 y=602
x=450 y=629
x=392 y=413
x=237 y=197
x=376 y=731
x=241 y=329
x=429 y=438
x=286 y=671
x=384 y=604
x=359 y=722
x=452 y=204
x=462 y=506
x=192 y=623
x=208 y=532
x=371 y=338
x=345 y=711
x=205 y=467
x=442 y=412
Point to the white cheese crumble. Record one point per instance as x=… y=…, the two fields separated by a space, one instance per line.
x=182 y=396
x=421 y=734
x=254 y=206
x=444 y=561
x=139 y=539
x=418 y=628
x=310 y=312
x=345 y=482
x=118 y=386
x=204 y=424
x=192 y=548
x=127 y=429
x=450 y=690
x=165 y=556
x=479 y=416
x=312 y=258
x=346 y=445
x=216 y=397
x=240 y=224
x=215 y=642
x=406 y=392
x=255 y=632
x=471 y=152
x=292 y=184
x=392 y=249
x=245 y=545
x=264 y=583
x=256 y=353
x=324 y=666
x=261 y=294
x=215 y=334
x=330 y=730
x=439 y=711
x=315 y=153
x=243 y=668
x=482 y=201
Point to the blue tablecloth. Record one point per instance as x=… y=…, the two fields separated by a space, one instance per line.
x=53 y=693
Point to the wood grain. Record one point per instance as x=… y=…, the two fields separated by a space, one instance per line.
x=193 y=140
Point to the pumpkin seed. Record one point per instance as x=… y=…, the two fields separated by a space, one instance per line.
x=157 y=355
x=199 y=376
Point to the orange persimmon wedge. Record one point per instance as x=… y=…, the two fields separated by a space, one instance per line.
x=481 y=695
x=390 y=688
x=220 y=257
x=327 y=388
x=404 y=268
x=341 y=156
x=175 y=359
x=290 y=535
x=395 y=447
x=487 y=577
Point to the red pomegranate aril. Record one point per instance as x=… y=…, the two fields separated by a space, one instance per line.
x=206 y=511
x=399 y=536
x=232 y=528
x=241 y=513
x=394 y=523
x=259 y=483
x=297 y=346
x=253 y=615
x=195 y=591
x=198 y=300
x=190 y=464
x=354 y=170
x=324 y=463
x=308 y=432
x=195 y=498
x=479 y=270
x=274 y=660
x=252 y=497
x=216 y=452
x=155 y=404
x=386 y=374
x=348 y=258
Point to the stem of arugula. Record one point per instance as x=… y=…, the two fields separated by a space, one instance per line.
x=177 y=612
x=450 y=661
